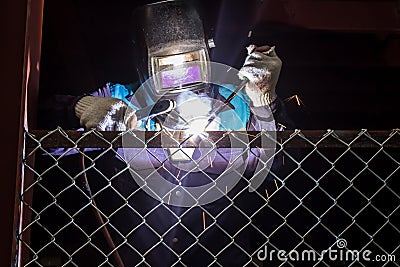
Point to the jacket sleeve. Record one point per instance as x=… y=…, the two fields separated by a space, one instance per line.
x=272 y=118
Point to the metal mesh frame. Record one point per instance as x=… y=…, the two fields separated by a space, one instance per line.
x=330 y=185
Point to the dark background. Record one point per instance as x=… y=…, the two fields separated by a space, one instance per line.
x=12 y=29
x=340 y=57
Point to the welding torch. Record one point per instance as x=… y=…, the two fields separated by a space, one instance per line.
x=226 y=102
x=263 y=49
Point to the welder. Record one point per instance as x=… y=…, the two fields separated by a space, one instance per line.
x=174 y=65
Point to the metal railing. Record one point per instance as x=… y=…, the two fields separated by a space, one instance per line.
x=331 y=198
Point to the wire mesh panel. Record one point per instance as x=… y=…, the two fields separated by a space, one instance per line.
x=330 y=198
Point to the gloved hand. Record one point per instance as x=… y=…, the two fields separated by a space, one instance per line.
x=105 y=114
x=261 y=67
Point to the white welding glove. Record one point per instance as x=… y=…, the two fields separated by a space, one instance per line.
x=105 y=114
x=261 y=67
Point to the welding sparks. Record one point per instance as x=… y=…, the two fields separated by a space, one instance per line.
x=249 y=34
x=283 y=126
x=276 y=184
x=266 y=192
x=247 y=134
x=169 y=197
x=204 y=220
x=177 y=176
x=283 y=156
x=297 y=98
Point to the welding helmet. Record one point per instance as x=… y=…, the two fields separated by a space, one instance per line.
x=170 y=48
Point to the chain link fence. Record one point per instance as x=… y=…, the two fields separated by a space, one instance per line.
x=327 y=191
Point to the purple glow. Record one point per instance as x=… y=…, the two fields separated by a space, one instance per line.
x=175 y=78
